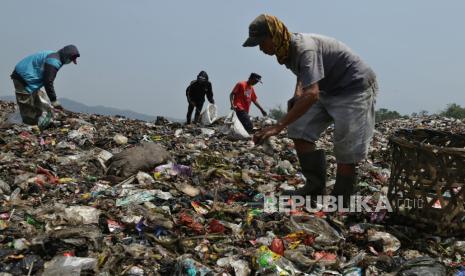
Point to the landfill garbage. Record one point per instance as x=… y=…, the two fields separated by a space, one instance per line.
x=325 y=233
x=390 y=243
x=207 y=132
x=422 y=266
x=84 y=214
x=69 y=205
x=120 y=139
x=139 y=158
x=4 y=188
x=173 y=169
x=209 y=115
x=73 y=266
x=233 y=127
x=188 y=266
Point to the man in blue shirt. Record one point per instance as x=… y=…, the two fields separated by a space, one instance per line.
x=37 y=71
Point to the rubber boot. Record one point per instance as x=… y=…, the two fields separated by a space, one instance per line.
x=314 y=169
x=344 y=186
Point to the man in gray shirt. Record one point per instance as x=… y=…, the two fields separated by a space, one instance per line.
x=334 y=86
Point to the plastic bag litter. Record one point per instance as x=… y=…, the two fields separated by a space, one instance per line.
x=70 y=266
x=422 y=266
x=207 y=131
x=234 y=128
x=209 y=115
x=185 y=265
x=174 y=169
x=390 y=242
x=4 y=188
x=144 y=178
x=120 y=139
x=82 y=214
x=326 y=235
x=241 y=267
x=267 y=261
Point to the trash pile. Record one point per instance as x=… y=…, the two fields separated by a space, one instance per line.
x=97 y=195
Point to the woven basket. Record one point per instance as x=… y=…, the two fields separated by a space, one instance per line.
x=427 y=180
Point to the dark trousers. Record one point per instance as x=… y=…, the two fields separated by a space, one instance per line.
x=244 y=117
x=198 y=108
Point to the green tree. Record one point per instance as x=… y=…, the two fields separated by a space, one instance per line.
x=383 y=114
x=277 y=113
x=454 y=110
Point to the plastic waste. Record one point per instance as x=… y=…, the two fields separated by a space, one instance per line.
x=325 y=234
x=136 y=198
x=234 y=128
x=185 y=265
x=120 y=139
x=267 y=260
x=4 y=188
x=207 y=132
x=174 y=169
x=277 y=246
x=72 y=266
x=422 y=266
x=390 y=242
x=187 y=189
x=82 y=214
x=209 y=115
x=144 y=178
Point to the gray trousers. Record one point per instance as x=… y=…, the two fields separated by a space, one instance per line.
x=353 y=116
x=31 y=105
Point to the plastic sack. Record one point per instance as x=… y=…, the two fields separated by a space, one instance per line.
x=62 y=265
x=234 y=128
x=422 y=266
x=209 y=115
x=326 y=235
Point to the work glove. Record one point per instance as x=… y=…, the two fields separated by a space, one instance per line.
x=264 y=113
x=57 y=105
x=143 y=157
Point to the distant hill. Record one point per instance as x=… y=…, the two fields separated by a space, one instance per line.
x=99 y=109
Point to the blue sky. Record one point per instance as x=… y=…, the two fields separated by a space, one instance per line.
x=142 y=54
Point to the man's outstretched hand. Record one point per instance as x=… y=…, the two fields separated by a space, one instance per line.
x=57 y=105
x=263 y=134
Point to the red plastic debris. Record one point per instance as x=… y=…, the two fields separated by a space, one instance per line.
x=326 y=256
x=277 y=246
x=69 y=254
x=189 y=222
x=215 y=226
x=50 y=176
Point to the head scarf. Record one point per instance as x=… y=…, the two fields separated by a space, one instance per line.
x=281 y=38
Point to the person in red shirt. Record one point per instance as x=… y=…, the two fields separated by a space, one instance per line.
x=242 y=96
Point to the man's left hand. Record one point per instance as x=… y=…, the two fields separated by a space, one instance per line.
x=263 y=134
x=57 y=105
x=264 y=113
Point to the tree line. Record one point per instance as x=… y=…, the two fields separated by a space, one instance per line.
x=452 y=110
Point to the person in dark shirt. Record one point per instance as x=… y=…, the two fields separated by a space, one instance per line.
x=195 y=94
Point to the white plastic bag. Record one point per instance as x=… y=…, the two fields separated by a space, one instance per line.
x=209 y=115
x=234 y=128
